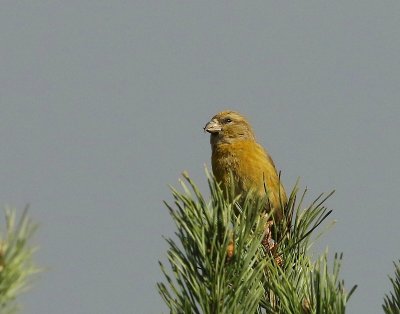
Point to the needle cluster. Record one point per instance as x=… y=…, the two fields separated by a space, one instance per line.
x=217 y=263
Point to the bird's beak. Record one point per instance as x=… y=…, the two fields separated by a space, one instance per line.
x=212 y=127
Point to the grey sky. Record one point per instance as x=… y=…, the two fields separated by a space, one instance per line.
x=102 y=105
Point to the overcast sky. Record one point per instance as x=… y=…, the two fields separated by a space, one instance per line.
x=102 y=105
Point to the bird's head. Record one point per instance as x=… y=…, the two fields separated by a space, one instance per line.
x=228 y=127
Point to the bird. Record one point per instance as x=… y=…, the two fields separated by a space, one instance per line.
x=235 y=154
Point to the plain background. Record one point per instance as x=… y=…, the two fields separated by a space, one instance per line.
x=102 y=105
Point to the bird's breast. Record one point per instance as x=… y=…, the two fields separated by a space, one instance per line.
x=245 y=161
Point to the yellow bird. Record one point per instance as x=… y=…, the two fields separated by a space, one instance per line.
x=237 y=155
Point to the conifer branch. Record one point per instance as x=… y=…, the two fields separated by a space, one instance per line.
x=218 y=263
x=16 y=265
x=392 y=302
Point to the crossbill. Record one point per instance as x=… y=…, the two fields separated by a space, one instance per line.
x=236 y=155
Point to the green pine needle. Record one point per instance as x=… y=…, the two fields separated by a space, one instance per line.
x=218 y=264
x=392 y=302
x=16 y=265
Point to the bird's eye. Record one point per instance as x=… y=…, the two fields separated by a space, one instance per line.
x=228 y=120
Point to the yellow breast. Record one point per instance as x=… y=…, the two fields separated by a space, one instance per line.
x=251 y=168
